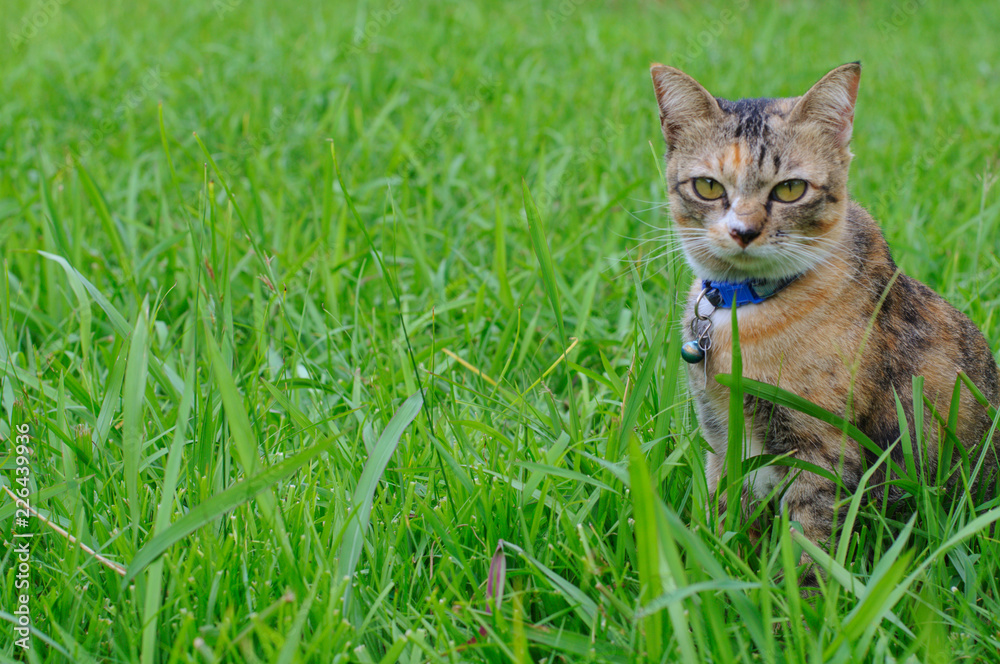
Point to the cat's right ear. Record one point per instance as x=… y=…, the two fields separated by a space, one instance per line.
x=682 y=100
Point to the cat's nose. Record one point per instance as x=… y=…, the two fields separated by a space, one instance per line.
x=743 y=236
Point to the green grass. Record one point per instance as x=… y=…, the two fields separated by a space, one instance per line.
x=326 y=419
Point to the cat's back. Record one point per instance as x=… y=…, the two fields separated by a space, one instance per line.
x=913 y=332
x=914 y=326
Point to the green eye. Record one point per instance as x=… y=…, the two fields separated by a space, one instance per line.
x=708 y=189
x=789 y=191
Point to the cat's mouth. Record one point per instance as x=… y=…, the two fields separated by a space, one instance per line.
x=736 y=264
x=730 y=252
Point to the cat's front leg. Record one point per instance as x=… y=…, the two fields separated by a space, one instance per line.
x=812 y=501
x=716 y=481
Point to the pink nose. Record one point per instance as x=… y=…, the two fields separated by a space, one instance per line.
x=743 y=237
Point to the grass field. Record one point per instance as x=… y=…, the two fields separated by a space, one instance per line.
x=398 y=413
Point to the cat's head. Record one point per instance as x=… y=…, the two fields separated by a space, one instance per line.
x=758 y=187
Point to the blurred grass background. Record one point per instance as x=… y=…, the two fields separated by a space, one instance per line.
x=280 y=324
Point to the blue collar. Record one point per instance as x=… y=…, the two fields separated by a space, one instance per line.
x=726 y=294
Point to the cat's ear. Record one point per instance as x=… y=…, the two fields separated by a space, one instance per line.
x=831 y=102
x=682 y=100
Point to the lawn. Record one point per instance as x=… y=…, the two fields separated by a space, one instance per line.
x=336 y=332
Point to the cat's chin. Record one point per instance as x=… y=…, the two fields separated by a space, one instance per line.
x=741 y=267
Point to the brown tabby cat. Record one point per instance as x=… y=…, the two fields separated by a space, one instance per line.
x=758 y=190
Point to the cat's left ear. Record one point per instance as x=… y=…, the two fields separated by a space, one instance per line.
x=831 y=102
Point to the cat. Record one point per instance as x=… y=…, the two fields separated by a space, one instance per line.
x=758 y=193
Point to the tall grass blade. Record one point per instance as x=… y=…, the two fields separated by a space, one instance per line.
x=364 y=492
x=244 y=440
x=735 y=443
x=536 y=231
x=646 y=547
x=154 y=577
x=217 y=505
x=133 y=399
x=783 y=397
x=582 y=605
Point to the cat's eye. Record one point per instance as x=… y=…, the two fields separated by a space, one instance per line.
x=789 y=191
x=708 y=189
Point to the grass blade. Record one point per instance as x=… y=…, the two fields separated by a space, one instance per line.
x=978 y=395
x=154 y=579
x=585 y=607
x=646 y=547
x=536 y=230
x=244 y=440
x=364 y=492
x=634 y=403
x=217 y=505
x=782 y=397
x=118 y=323
x=294 y=635
x=734 y=446
x=133 y=399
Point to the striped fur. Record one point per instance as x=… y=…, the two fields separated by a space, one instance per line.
x=813 y=337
